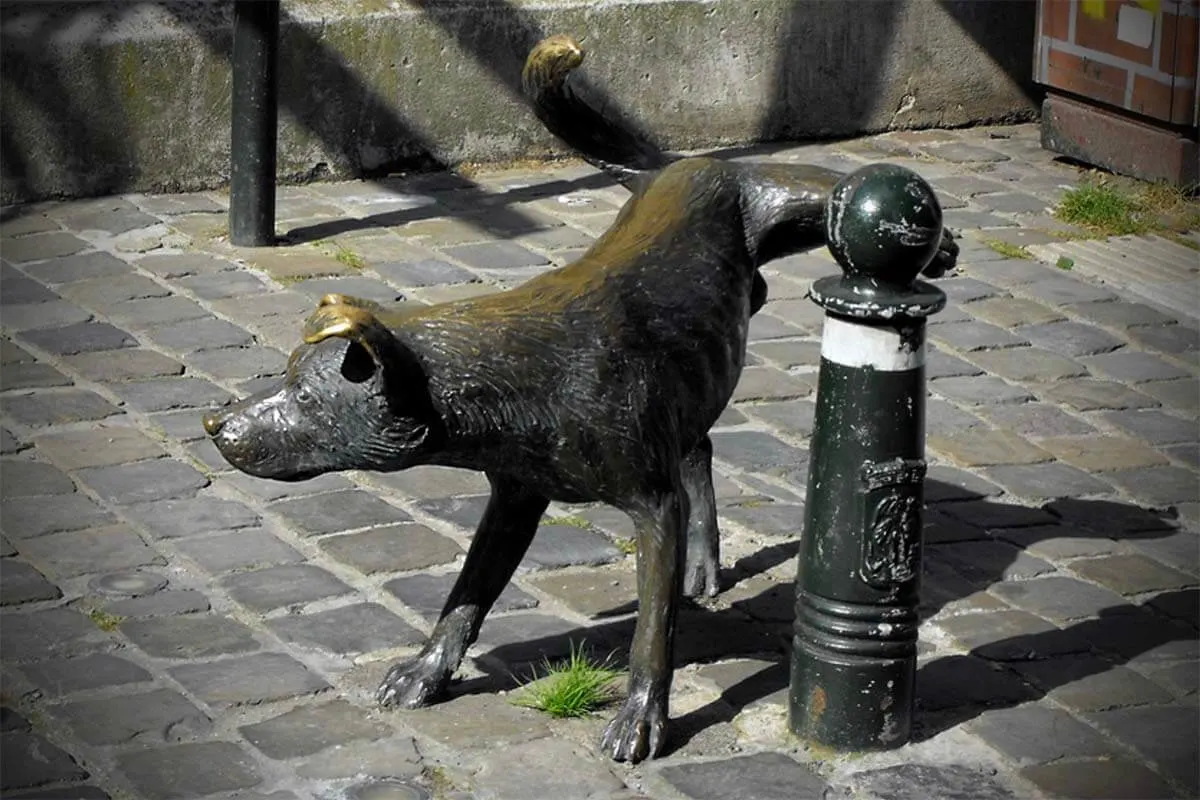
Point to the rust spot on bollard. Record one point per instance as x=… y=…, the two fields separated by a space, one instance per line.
x=816 y=704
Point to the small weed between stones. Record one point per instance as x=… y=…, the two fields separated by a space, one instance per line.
x=575 y=687
x=344 y=255
x=625 y=545
x=570 y=521
x=1110 y=206
x=1065 y=263
x=104 y=621
x=1007 y=249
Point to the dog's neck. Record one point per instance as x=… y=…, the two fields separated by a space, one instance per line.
x=783 y=208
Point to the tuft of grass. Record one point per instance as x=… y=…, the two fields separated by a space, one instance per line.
x=575 y=687
x=626 y=545
x=571 y=521
x=103 y=620
x=1007 y=249
x=1112 y=206
x=1065 y=263
x=344 y=255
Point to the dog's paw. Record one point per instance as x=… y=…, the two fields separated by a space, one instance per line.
x=700 y=576
x=946 y=258
x=637 y=732
x=411 y=685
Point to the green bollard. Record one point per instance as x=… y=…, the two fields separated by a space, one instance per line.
x=854 y=652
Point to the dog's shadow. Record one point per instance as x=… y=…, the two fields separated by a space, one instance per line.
x=973 y=545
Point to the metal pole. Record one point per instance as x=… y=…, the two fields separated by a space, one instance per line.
x=854 y=649
x=252 y=146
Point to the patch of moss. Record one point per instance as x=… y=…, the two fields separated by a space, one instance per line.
x=103 y=620
x=571 y=521
x=1007 y=249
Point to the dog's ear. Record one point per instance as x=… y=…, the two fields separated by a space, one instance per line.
x=354 y=319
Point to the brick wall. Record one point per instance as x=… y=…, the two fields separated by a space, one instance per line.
x=1137 y=56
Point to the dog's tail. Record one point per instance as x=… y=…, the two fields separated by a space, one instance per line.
x=606 y=143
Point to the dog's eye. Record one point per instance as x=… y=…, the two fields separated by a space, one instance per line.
x=304 y=396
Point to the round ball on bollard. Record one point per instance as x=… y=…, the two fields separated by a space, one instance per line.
x=883 y=223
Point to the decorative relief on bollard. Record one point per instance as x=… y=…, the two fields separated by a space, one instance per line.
x=854 y=651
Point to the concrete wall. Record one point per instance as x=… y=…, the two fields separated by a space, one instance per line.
x=102 y=97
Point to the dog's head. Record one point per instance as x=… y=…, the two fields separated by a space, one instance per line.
x=354 y=397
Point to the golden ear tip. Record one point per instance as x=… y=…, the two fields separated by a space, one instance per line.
x=332 y=299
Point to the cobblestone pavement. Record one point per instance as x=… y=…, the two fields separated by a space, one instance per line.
x=172 y=628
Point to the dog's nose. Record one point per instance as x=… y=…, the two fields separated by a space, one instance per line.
x=213 y=423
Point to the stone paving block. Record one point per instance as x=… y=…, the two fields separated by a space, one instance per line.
x=191 y=516
x=95 y=671
x=970 y=336
x=256 y=307
x=528 y=638
x=921 y=781
x=431 y=295
x=1130 y=574
x=286 y=265
x=24 y=518
x=178 y=265
x=236 y=363
x=1178 y=605
x=311 y=729
x=758 y=452
x=804 y=314
x=426 y=594
x=37 y=247
x=70 y=792
x=31 y=376
x=337 y=511
x=1088 y=683
x=1186 y=454
x=1047 y=480
x=595 y=593
x=1036 y=734
x=968 y=218
x=13 y=354
x=253 y=679
x=768 y=519
x=764 y=327
x=42 y=409
x=1059 y=290
x=762 y=776
x=1166 y=735
x=160 y=604
x=189 y=770
x=1182 y=394
x=206 y=333
x=111 y=215
x=788 y=354
x=556 y=546
x=185 y=425
x=49 y=633
x=432 y=482
x=793 y=418
x=347 y=631
x=1055 y=542
x=106 y=549
x=1155 y=427
x=205 y=454
x=140 y=315
x=1037 y=420
x=1142 y=638
x=103 y=293
x=144 y=481
x=494 y=255
x=168 y=394
x=53 y=314
x=994 y=514
x=1071 y=339
x=1100 y=453
x=1008 y=312
x=31 y=760
x=939 y=528
x=1119 y=314
x=960 y=290
x=158 y=716
x=1060 y=598
x=82 y=337
x=1088 y=394
x=425 y=272
x=1178 y=549
x=190 y=636
x=979 y=390
x=27 y=222
x=285 y=585
x=396 y=548
x=23 y=478
x=78 y=267
x=769 y=383
x=222 y=285
x=464 y=512
x=1174 y=339
x=1013 y=203
x=19 y=291
x=352 y=286
x=21 y=583
x=1112 y=518
x=1105 y=779
x=1156 y=486
x=956 y=681
x=1132 y=366
x=134 y=363
x=986 y=562
x=10 y=444
x=946 y=419
x=239 y=550
x=1028 y=364
x=983 y=446
x=269 y=490
x=1181 y=678
x=479 y=721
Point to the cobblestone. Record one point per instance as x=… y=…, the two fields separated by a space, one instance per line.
x=1087 y=394
x=31 y=760
x=31 y=376
x=128 y=364
x=979 y=390
x=426 y=594
x=1163 y=734
x=347 y=631
x=1036 y=734
x=21 y=583
x=1155 y=427
x=171 y=519
x=24 y=518
x=337 y=511
x=143 y=481
x=168 y=394
x=160 y=604
x=396 y=548
x=1157 y=486
x=557 y=546
x=82 y=337
x=763 y=776
x=1059 y=598
x=198 y=636
x=1107 y=779
x=189 y=769
x=32 y=478
x=1133 y=366
x=157 y=716
x=203 y=333
x=290 y=584
x=113 y=547
x=1101 y=453
x=240 y=550
x=248 y=679
x=309 y=730
x=55 y=314
x=969 y=336
x=1047 y=480
x=1028 y=364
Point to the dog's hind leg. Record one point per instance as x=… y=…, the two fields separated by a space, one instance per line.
x=503 y=536
x=702 y=562
x=638 y=731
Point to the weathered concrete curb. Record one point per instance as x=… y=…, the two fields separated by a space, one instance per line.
x=105 y=97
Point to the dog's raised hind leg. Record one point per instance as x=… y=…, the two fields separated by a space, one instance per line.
x=503 y=536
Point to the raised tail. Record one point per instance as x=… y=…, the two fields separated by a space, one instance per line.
x=600 y=140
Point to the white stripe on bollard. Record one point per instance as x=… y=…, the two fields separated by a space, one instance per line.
x=882 y=347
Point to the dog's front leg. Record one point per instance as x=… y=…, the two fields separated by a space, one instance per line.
x=702 y=564
x=500 y=542
x=638 y=731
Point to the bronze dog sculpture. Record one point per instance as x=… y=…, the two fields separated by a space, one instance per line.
x=598 y=381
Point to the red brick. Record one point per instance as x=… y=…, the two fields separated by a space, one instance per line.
x=1151 y=98
x=1179 y=36
x=1088 y=78
x=1183 y=105
x=1056 y=19
x=1118 y=142
x=1101 y=35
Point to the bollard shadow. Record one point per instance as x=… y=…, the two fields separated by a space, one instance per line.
x=982 y=547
